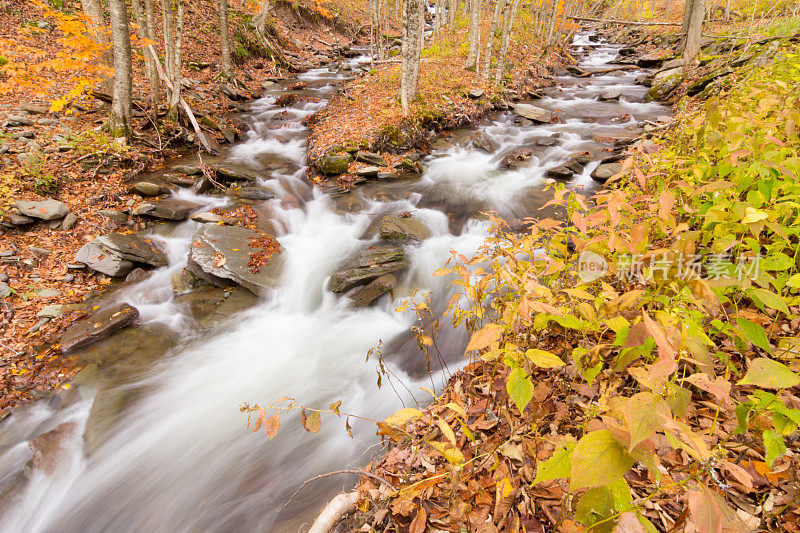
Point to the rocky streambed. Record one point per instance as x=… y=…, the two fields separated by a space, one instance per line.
x=215 y=314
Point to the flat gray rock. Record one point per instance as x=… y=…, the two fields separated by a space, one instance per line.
x=135 y=248
x=403 y=229
x=369 y=294
x=606 y=171
x=168 y=209
x=43 y=209
x=536 y=114
x=98 y=326
x=100 y=260
x=224 y=253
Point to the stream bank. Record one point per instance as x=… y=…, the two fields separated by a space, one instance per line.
x=151 y=432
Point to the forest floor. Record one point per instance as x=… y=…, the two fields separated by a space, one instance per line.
x=67 y=157
x=659 y=402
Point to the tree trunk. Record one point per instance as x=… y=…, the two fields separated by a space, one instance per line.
x=99 y=32
x=175 y=75
x=694 y=31
x=123 y=75
x=475 y=11
x=261 y=18
x=666 y=10
x=551 y=23
x=687 y=12
x=145 y=32
x=563 y=25
x=452 y=5
x=487 y=53
x=413 y=24
x=508 y=25
x=727 y=10
x=225 y=38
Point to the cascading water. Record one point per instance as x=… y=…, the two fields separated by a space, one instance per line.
x=179 y=458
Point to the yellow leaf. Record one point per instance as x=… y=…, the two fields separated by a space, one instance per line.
x=504 y=487
x=484 y=337
x=401 y=417
x=751 y=216
x=447 y=431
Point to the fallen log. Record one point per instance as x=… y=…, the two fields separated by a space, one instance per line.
x=631 y=22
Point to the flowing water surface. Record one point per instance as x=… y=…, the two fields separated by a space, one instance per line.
x=178 y=457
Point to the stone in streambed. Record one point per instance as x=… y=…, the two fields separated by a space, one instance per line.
x=253 y=193
x=665 y=82
x=43 y=209
x=168 y=209
x=100 y=260
x=368 y=172
x=134 y=248
x=536 y=114
x=483 y=142
x=560 y=173
x=606 y=171
x=52 y=451
x=651 y=60
x=146 y=188
x=335 y=164
x=403 y=229
x=221 y=255
x=610 y=96
x=98 y=326
x=344 y=280
x=188 y=170
x=371 y=159
x=369 y=294
x=234 y=174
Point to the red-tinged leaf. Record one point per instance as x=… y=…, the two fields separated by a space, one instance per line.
x=259 y=420
x=272 y=425
x=711 y=514
x=419 y=522
x=487 y=335
x=580 y=221
x=665 y=348
x=666 y=202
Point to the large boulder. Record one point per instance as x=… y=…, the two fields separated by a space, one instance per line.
x=651 y=60
x=536 y=114
x=168 y=209
x=335 y=164
x=696 y=87
x=98 y=326
x=43 y=209
x=134 y=248
x=606 y=171
x=403 y=229
x=370 y=264
x=665 y=82
x=99 y=259
x=222 y=255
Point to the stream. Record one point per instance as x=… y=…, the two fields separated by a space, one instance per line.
x=176 y=455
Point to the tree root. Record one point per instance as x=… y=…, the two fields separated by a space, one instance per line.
x=339 y=507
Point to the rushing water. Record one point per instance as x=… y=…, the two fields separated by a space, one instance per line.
x=178 y=457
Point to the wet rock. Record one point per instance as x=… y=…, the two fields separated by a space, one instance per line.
x=168 y=209
x=546 y=141
x=134 y=248
x=43 y=209
x=98 y=326
x=483 y=142
x=369 y=294
x=344 y=280
x=335 y=164
x=100 y=260
x=560 y=173
x=536 y=114
x=650 y=60
x=348 y=203
x=576 y=71
x=136 y=275
x=387 y=176
x=117 y=216
x=403 y=229
x=69 y=221
x=610 y=96
x=202 y=185
x=606 y=171
x=371 y=159
x=207 y=218
x=231 y=93
x=665 y=82
x=378 y=255
x=234 y=174
x=181 y=180
x=146 y=188
x=221 y=254
x=54 y=449
x=5 y=290
x=407 y=165
x=513 y=159
x=368 y=172
x=188 y=170
x=253 y=193
x=576 y=162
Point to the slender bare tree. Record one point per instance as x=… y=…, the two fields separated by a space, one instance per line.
x=667 y=9
x=508 y=25
x=475 y=12
x=694 y=31
x=487 y=53
x=123 y=73
x=99 y=32
x=225 y=39
x=172 y=15
x=551 y=22
x=149 y=59
x=413 y=30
